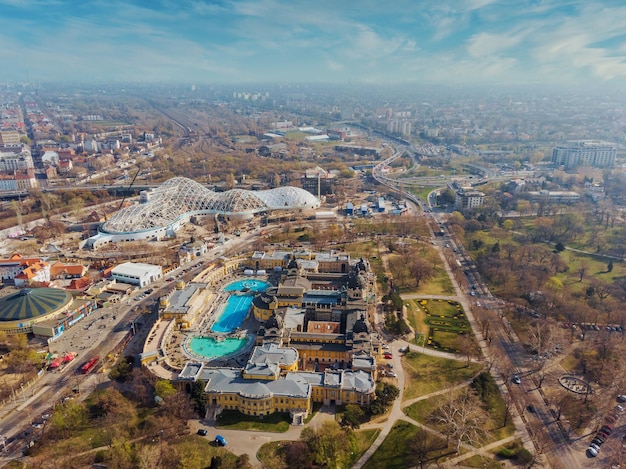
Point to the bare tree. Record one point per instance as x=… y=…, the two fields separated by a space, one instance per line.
x=423 y=443
x=462 y=417
x=467 y=346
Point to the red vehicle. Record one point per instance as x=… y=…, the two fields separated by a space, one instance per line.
x=55 y=363
x=87 y=367
x=69 y=357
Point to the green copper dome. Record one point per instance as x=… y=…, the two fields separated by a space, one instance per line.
x=30 y=303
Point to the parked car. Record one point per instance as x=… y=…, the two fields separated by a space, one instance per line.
x=202 y=432
x=388 y=356
x=531 y=409
x=592 y=452
x=606 y=429
x=597 y=441
x=220 y=440
x=516 y=379
x=621 y=398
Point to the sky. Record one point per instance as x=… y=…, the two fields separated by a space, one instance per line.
x=577 y=42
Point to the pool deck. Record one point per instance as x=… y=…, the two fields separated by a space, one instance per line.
x=171 y=342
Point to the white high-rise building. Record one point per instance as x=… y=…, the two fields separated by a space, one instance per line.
x=585 y=153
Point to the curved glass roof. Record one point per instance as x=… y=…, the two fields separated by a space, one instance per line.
x=31 y=303
x=181 y=196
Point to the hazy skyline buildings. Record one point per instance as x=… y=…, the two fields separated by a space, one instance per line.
x=585 y=153
x=572 y=42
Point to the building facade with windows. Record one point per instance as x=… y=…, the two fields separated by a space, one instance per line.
x=585 y=153
x=468 y=198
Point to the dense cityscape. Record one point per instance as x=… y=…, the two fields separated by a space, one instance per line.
x=266 y=234
x=269 y=254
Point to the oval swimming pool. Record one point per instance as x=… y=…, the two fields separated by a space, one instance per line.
x=247 y=284
x=208 y=347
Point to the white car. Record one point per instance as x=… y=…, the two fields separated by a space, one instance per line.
x=592 y=452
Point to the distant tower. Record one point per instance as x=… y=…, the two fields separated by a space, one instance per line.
x=319 y=185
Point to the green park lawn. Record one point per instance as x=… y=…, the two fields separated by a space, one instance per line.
x=444 y=321
x=277 y=422
x=397 y=451
x=438 y=284
x=420 y=411
x=425 y=374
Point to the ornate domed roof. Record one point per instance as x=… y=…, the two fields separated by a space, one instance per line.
x=273 y=322
x=362 y=265
x=360 y=325
x=263 y=300
x=293 y=263
x=356 y=280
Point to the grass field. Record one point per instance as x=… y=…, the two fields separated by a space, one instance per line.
x=421 y=411
x=439 y=284
x=277 y=422
x=445 y=320
x=425 y=374
x=397 y=451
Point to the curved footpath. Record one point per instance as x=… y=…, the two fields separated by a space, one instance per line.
x=249 y=442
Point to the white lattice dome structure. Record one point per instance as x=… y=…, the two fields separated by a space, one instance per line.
x=165 y=209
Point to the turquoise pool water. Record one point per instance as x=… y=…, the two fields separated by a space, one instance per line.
x=238 y=305
x=253 y=285
x=210 y=348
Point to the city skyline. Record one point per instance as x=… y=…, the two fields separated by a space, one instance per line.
x=447 y=42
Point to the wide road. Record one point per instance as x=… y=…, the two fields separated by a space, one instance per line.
x=97 y=334
x=512 y=358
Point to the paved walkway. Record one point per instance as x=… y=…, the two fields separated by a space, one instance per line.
x=249 y=442
x=397 y=413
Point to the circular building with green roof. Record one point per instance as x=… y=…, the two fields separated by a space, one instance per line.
x=21 y=310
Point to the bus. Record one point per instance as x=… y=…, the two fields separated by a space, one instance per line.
x=87 y=367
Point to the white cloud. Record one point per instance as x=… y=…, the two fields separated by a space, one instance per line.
x=487 y=43
x=335 y=66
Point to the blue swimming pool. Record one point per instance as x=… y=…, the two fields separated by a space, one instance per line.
x=210 y=348
x=238 y=304
x=247 y=284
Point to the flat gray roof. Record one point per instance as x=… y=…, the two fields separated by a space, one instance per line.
x=179 y=301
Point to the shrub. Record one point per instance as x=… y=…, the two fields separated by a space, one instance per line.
x=506 y=453
x=524 y=456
